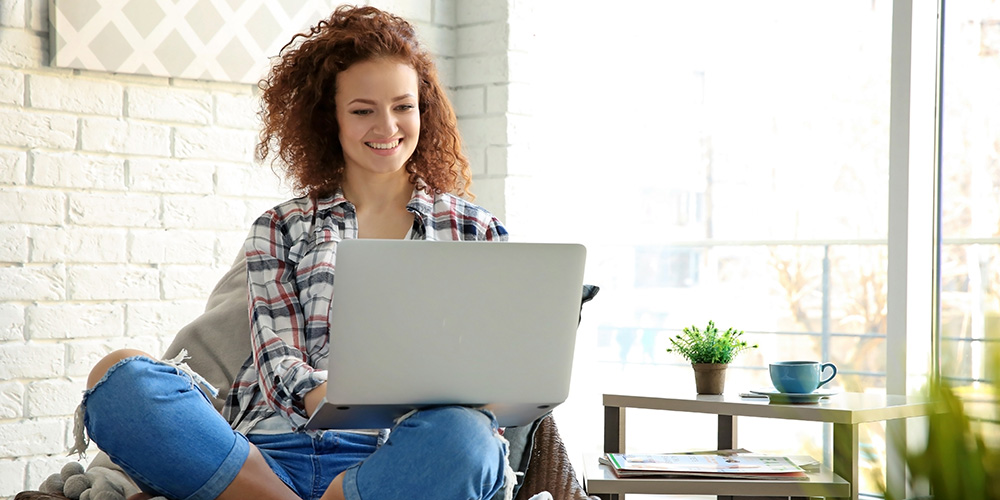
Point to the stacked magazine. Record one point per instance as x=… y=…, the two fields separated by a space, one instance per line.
x=734 y=464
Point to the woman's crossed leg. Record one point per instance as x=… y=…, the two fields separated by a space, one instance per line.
x=154 y=422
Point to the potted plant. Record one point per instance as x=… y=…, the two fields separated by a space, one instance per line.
x=710 y=353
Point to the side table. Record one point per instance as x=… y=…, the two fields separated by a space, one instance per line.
x=846 y=411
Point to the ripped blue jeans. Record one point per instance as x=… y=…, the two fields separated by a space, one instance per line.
x=154 y=421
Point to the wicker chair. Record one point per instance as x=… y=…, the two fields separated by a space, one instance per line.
x=550 y=468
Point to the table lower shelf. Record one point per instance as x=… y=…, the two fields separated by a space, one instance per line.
x=598 y=479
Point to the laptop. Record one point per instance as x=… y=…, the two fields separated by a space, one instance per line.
x=418 y=324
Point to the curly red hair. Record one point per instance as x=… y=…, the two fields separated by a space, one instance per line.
x=299 y=114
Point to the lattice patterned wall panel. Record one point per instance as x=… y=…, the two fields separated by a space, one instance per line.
x=220 y=40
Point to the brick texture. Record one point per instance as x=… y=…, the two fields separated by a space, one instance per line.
x=31 y=129
x=486 y=45
x=11 y=400
x=12 y=479
x=169 y=104
x=109 y=135
x=75 y=321
x=20 y=360
x=169 y=175
x=53 y=398
x=75 y=95
x=13 y=243
x=11 y=322
x=77 y=244
x=75 y=170
x=11 y=87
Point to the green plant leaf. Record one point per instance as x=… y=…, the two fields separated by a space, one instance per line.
x=957 y=460
x=709 y=346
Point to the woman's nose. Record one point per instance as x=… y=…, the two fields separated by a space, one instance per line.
x=385 y=125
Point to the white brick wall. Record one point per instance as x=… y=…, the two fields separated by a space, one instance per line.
x=26 y=283
x=76 y=170
x=11 y=400
x=28 y=128
x=123 y=198
x=74 y=95
x=13 y=243
x=75 y=320
x=11 y=87
x=53 y=398
x=12 y=475
x=170 y=104
x=11 y=322
x=107 y=183
x=492 y=100
x=119 y=135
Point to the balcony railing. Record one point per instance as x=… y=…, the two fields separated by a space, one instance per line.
x=977 y=341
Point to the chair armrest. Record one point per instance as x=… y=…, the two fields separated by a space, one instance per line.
x=549 y=468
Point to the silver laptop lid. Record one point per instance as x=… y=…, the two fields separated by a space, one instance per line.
x=424 y=323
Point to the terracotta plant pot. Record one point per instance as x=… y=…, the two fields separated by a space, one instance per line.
x=709 y=378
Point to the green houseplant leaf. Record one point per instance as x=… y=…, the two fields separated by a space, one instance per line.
x=709 y=346
x=961 y=456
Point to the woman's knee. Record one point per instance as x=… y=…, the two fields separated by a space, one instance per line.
x=457 y=421
x=464 y=434
x=471 y=457
x=105 y=364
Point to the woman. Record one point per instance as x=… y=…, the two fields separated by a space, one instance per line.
x=355 y=114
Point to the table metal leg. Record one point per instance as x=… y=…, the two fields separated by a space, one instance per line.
x=727 y=432
x=726 y=439
x=614 y=438
x=846 y=451
x=614 y=429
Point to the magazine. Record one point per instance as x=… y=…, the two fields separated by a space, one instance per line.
x=735 y=464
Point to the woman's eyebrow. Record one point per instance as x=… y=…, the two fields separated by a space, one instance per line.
x=371 y=102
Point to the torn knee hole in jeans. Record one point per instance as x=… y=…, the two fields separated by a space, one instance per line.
x=80 y=439
x=178 y=362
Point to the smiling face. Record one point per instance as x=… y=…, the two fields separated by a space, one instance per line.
x=378 y=117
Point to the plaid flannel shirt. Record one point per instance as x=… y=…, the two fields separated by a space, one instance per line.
x=291 y=252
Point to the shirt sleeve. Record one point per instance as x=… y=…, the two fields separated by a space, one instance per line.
x=495 y=231
x=277 y=322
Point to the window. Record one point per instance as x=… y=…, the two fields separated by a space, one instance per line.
x=724 y=160
x=970 y=191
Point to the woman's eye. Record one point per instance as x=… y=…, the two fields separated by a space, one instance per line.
x=361 y=112
x=405 y=107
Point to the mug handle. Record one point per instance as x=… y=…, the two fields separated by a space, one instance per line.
x=822 y=368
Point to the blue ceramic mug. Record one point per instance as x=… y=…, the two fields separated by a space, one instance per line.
x=800 y=377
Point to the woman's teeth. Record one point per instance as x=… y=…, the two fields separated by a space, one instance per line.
x=383 y=145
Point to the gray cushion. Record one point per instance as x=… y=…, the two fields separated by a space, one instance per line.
x=218 y=341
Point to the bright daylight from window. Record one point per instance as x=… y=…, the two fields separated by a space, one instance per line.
x=729 y=160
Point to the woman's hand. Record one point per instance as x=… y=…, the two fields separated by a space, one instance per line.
x=314 y=398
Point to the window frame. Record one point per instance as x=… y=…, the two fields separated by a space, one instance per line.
x=914 y=239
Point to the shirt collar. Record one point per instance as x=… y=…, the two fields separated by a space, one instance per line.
x=421 y=202
x=334 y=200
